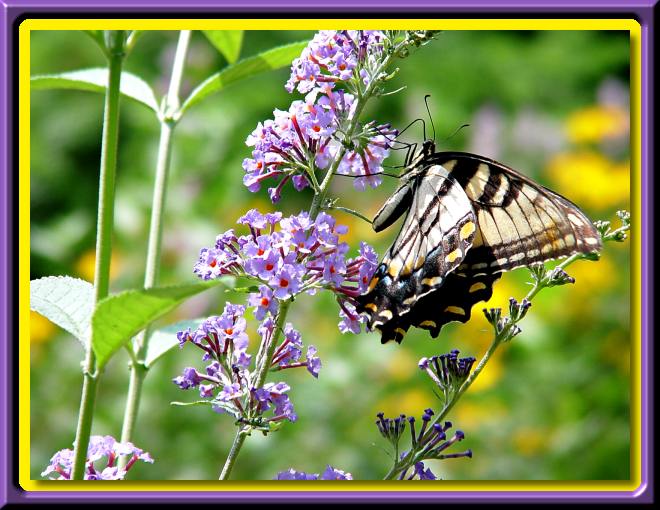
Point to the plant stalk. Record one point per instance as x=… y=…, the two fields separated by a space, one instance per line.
x=105 y=223
x=406 y=462
x=167 y=124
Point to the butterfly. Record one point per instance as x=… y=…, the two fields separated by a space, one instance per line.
x=467 y=219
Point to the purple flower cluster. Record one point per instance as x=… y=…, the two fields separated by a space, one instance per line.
x=289 y=256
x=334 y=56
x=429 y=443
x=448 y=371
x=330 y=473
x=312 y=133
x=100 y=447
x=227 y=381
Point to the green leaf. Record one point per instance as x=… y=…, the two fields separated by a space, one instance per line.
x=65 y=301
x=164 y=339
x=120 y=317
x=266 y=61
x=96 y=80
x=227 y=42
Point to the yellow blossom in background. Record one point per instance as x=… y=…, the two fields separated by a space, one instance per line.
x=470 y=415
x=596 y=123
x=529 y=440
x=615 y=350
x=590 y=179
x=399 y=367
x=490 y=375
x=41 y=329
x=84 y=266
x=411 y=403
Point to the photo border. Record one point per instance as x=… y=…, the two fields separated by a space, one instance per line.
x=17 y=19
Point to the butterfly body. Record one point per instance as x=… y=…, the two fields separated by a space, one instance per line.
x=467 y=219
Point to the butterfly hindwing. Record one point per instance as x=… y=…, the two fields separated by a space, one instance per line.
x=434 y=238
x=452 y=302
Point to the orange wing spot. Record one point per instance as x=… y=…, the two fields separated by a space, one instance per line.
x=372 y=307
x=394 y=269
x=477 y=286
x=374 y=281
x=467 y=230
x=455 y=309
x=431 y=282
x=427 y=324
x=453 y=256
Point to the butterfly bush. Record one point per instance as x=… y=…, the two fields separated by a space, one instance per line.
x=103 y=454
x=311 y=134
x=285 y=257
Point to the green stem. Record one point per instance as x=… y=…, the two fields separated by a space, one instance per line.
x=260 y=378
x=233 y=453
x=103 y=241
x=167 y=125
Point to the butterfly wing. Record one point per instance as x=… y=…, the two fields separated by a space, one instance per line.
x=518 y=222
x=435 y=236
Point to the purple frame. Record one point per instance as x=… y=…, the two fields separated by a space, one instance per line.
x=10 y=10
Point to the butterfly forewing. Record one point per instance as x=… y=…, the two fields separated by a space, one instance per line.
x=519 y=221
x=394 y=207
x=434 y=238
x=474 y=214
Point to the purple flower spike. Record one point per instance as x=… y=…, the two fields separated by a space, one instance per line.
x=331 y=473
x=101 y=450
x=423 y=474
x=292 y=474
x=299 y=141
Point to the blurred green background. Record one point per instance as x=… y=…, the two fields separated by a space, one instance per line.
x=553 y=405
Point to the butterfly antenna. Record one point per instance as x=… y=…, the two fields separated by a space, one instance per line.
x=456 y=131
x=428 y=110
x=386 y=135
x=409 y=125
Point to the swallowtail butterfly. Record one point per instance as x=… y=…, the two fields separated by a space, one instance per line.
x=467 y=219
